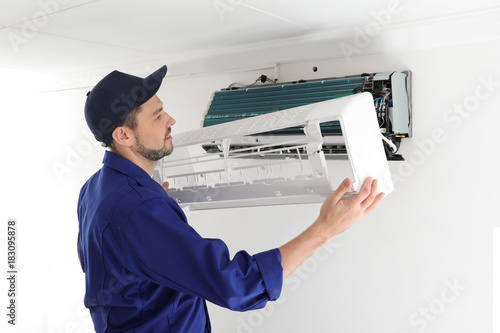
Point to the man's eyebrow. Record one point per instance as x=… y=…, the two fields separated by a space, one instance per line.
x=160 y=109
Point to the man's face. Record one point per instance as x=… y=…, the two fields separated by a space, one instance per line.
x=152 y=135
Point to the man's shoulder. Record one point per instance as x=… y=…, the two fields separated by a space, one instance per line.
x=116 y=197
x=108 y=185
x=146 y=193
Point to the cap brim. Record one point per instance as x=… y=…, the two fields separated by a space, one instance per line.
x=151 y=85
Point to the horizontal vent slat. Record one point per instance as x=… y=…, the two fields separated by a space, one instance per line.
x=230 y=105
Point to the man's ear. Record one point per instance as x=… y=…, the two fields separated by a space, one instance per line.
x=122 y=136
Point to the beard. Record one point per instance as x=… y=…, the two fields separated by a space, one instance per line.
x=152 y=154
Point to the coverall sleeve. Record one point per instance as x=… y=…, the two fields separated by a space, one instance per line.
x=162 y=247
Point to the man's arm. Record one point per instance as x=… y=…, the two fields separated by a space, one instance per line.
x=336 y=215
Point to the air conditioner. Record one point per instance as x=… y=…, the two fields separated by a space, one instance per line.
x=290 y=143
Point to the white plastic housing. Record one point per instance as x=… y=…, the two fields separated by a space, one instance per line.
x=276 y=169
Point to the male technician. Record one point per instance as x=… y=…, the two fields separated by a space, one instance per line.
x=146 y=269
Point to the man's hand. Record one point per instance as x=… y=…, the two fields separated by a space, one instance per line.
x=337 y=214
x=165 y=186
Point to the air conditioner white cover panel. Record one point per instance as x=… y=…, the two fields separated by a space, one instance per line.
x=361 y=135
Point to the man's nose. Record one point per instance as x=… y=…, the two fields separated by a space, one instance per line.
x=171 y=121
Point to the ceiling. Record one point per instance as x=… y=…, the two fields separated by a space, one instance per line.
x=61 y=36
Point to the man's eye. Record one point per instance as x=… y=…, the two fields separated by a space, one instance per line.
x=159 y=116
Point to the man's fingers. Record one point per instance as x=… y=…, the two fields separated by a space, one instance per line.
x=374 y=204
x=343 y=188
x=165 y=185
x=370 y=192
x=364 y=191
x=372 y=200
x=365 y=197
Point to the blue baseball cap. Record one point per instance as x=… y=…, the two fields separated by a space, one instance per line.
x=112 y=99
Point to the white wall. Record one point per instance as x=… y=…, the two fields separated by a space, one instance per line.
x=434 y=231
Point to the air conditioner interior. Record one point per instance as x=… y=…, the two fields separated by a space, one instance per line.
x=391 y=92
x=290 y=143
x=257 y=161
